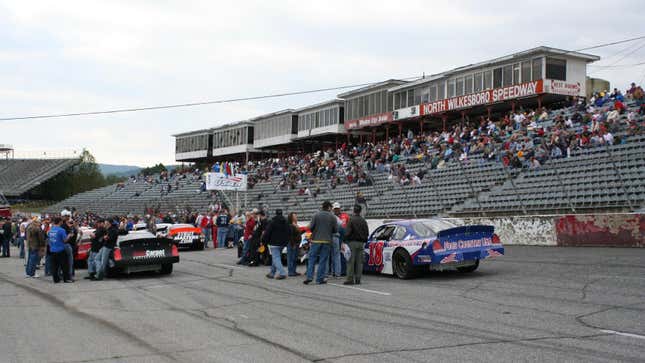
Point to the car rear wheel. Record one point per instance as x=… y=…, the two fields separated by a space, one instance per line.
x=166 y=269
x=468 y=269
x=402 y=264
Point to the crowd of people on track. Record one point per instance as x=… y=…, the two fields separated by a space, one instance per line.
x=334 y=239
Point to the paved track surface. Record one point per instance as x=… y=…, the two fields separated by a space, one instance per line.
x=535 y=304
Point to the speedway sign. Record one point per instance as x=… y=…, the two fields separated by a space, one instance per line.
x=221 y=181
x=484 y=97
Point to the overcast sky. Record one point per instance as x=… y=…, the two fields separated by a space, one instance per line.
x=75 y=56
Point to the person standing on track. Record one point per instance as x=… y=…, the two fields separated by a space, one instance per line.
x=295 y=237
x=97 y=243
x=249 y=226
x=356 y=236
x=276 y=237
x=57 y=239
x=323 y=225
x=223 y=221
x=5 y=237
x=109 y=242
x=35 y=240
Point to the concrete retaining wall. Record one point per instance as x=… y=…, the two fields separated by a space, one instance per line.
x=607 y=230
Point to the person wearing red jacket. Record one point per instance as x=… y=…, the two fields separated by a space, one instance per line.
x=249 y=227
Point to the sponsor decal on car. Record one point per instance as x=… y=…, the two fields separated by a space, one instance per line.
x=149 y=254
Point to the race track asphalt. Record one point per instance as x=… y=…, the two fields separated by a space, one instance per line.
x=534 y=304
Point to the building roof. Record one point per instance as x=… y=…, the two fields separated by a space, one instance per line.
x=370 y=87
x=272 y=114
x=542 y=49
x=227 y=126
x=320 y=105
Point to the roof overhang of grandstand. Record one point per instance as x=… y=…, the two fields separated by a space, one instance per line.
x=193 y=133
x=273 y=114
x=317 y=106
x=496 y=61
x=372 y=87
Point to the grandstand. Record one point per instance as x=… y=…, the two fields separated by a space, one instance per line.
x=20 y=175
x=467 y=131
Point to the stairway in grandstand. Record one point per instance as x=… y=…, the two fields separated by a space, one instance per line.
x=17 y=176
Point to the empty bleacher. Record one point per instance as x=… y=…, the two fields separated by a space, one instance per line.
x=17 y=176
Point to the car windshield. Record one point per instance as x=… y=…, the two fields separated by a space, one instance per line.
x=430 y=227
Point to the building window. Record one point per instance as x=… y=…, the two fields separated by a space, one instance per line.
x=459 y=86
x=468 y=84
x=425 y=94
x=441 y=90
x=516 y=73
x=451 y=88
x=370 y=104
x=507 y=76
x=537 y=69
x=410 y=98
x=556 y=69
x=488 y=79
x=497 y=77
x=477 y=82
x=397 y=101
x=433 y=92
x=417 y=95
x=526 y=71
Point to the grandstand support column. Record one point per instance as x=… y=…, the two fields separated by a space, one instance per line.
x=374 y=136
x=387 y=132
x=463 y=118
x=513 y=106
x=444 y=118
x=539 y=99
x=488 y=111
x=421 y=126
x=400 y=129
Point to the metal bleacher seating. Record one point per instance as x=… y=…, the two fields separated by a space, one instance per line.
x=17 y=176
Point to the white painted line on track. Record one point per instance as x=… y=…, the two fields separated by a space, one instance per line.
x=624 y=334
x=360 y=289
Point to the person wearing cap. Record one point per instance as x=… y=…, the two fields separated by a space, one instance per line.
x=356 y=236
x=36 y=240
x=323 y=225
x=223 y=222
x=276 y=236
x=249 y=226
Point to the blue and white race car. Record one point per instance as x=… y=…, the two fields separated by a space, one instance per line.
x=405 y=247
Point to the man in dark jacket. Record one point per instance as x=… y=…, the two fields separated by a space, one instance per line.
x=109 y=242
x=5 y=237
x=97 y=243
x=276 y=237
x=356 y=236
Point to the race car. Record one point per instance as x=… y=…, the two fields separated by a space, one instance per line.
x=84 y=245
x=403 y=248
x=186 y=236
x=142 y=251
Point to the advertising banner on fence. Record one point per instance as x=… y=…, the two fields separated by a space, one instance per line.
x=220 y=181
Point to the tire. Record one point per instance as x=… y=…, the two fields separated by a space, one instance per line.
x=469 y=269
x=166 y=269
x=402 y=264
